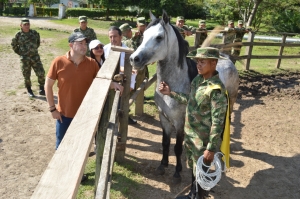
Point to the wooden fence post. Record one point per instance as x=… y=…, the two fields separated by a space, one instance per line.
x=248 y=50
x=139 y=101
x=197 y=39
x=123 y=128
x=281 y=50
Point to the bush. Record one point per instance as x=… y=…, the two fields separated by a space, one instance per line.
x=95 y=12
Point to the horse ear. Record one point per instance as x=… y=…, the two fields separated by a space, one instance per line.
x=152 y=17
x=165 y=17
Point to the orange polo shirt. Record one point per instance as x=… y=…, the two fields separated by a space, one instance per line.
x=73 y=82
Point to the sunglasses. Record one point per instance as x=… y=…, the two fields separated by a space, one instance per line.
x=98 y=47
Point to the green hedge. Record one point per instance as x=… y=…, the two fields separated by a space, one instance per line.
x=15 y=11
x=94 y=12
x=70 y=12
x=22 y=11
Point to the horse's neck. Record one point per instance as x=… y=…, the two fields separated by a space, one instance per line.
x=176 y=77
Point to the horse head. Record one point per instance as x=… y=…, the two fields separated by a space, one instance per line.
x=161 y=42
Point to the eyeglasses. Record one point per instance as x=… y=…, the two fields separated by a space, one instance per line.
x=98 y=47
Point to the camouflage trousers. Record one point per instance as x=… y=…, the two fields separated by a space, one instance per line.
x=35 y=63
x=195 y=145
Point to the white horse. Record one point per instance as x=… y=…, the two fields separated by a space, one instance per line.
x=162 y=43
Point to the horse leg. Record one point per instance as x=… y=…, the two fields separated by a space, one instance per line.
x=178 y=151
x=166 y=139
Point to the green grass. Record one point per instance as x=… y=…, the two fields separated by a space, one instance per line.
x=86 y=189
x=124 y=180
x=10 y=92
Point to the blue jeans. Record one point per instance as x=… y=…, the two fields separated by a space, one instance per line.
x=61 y=128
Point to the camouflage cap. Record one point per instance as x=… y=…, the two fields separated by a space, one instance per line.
x=82 y=19
x=202 y=22
x=141 y=21
x=240 y=22
x=230 y=22
x=25 y=20
x=179 y=18
x=205 y=53
x=77 y=36
x=125 y=27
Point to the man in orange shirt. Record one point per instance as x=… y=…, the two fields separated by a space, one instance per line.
x=75 y=73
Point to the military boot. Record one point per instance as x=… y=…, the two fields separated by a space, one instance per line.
x=29 y=91
x=42 y=90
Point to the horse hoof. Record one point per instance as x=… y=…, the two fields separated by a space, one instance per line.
x=160 y=170
x=176 y=178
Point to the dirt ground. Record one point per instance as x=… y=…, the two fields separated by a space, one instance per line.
x=265 y=139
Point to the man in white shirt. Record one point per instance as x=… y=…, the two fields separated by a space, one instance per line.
x=115 y=38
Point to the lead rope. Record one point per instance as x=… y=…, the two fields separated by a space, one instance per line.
x=209 y=178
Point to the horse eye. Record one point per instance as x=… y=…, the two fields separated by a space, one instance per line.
x=159 y=38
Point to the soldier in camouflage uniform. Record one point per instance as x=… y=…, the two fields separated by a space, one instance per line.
x=86 y=31
x=228 y=37
x=126 y=34
x=183 y=29
x=203 y=34
x=205 y=112
x=240 y=31
x=26 y=43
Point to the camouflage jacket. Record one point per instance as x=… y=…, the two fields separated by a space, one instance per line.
x=203 y=35
x=181 y=30
x=240 y=32
x=229 y=36
x=127 y=42
x=88 y=32
x=205 y=112
x=26 y=44
x=136 y=41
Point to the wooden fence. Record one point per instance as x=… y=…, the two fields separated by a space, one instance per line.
x=249 y=48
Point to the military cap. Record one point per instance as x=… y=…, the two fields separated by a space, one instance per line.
x=240 y=22
x=230 y=22
x=25 y=20
x=82 y=19
x=141 y=21
x=76 y=36
x=202 y=22
x=125 y=27
x=205 y=53
x=179 y=18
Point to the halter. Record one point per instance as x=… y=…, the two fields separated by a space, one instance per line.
x=207 y=180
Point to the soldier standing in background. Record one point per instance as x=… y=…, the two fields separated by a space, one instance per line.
x=203 y=34
x=228 y=36
x=126 y=34
x=183 y=29
x=136 y=41
x=86 y=31
x=240 y=32
x=26 y=43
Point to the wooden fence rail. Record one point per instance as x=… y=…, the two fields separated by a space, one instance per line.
x=249 y=48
